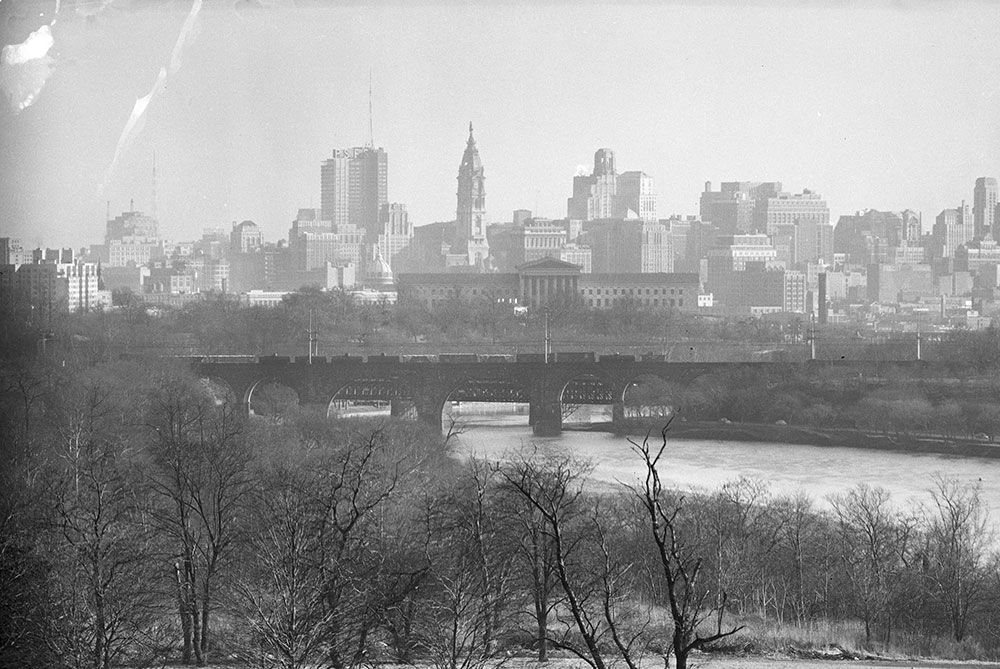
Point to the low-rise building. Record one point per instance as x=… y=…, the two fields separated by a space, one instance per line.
x=544 y=281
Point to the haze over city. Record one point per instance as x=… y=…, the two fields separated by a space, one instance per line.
x=890 y=106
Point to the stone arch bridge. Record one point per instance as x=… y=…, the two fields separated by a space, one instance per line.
x=423 y=384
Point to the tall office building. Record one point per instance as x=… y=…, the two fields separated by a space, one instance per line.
x=354 y=184
x=732 y=209
x=656 y=254
x=397 y=231
x=470 y=225
x=246 y=237
x=131 y=239
x=132 y=227
x=787 y=209
x=596 y=196
x=952 y=228
x=984 y=206
x=12 y=252
x=635 y=195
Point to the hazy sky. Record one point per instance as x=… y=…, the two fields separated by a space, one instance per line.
x=881 y=105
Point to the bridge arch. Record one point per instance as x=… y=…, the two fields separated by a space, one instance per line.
x=464 y=389
x=371 y=390
x=271 y=399
x=220 y=389
x=581 y=390
x=650 y=395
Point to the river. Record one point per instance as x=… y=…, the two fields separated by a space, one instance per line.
x=819 y=471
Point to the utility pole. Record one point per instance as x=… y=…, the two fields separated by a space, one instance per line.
x=812 y=338
x=312 y=337
x=548 y=339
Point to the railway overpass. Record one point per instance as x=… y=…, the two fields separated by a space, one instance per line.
x=421 y=385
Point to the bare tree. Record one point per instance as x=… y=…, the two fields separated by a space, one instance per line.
x=875 y=542
x=201 y=477
x=957 y=552
x=691 y=603
x=470 y=587
x=536 y=555
x=307 y=592
x=103 y=547
x=590 y=572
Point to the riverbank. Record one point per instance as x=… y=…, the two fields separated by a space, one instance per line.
x=793 y=434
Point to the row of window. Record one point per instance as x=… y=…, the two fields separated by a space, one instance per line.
x=590 y=291
x=655 y=302
x=634 y=291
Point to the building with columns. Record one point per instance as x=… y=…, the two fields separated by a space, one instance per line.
x=548 y=280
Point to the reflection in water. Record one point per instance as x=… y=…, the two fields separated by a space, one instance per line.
x=818 y=471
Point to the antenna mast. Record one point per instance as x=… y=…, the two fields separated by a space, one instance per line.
x=153 y=203
x=371 y=132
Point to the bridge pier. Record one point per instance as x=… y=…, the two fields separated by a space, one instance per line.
x=398 y=408
x=429 y=412
x=545 y=411
x=618 y=415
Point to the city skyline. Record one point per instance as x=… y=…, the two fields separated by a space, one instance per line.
x=871 y=107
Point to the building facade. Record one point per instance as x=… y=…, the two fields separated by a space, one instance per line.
x=732 y=208
x=397 y=231
x=596 y=196
x=952 y=228
x=548 y=280
x=470 y=215
x=636 y=195
x=354 y=184
x=782 y=209
x=984 y=206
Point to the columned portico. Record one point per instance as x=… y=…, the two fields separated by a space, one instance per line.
x=546 y=280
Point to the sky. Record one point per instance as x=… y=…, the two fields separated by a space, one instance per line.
x=884 y=105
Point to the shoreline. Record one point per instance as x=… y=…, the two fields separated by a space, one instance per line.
x=794 y=434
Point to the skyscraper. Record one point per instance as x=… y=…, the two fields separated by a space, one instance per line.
x=596 y=196
x=984 y=205
x=635 y=194
x=354 y=184
x=952 y=228
x=733 y=207
x=470 y=225
x=397 y=231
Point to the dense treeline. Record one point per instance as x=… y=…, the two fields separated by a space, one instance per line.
x=956 y=403
x=222 y=325
x=145 y=520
